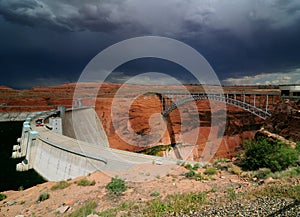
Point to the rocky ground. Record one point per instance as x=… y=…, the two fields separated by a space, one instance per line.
x=285 y=120
x=226 y=194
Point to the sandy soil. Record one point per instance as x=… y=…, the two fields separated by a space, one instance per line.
x=149 y=179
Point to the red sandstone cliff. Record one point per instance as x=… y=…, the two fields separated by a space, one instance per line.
x=136 y=134
x=285 y=120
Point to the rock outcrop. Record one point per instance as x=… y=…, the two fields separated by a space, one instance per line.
x=285 y=120
x=139 y=125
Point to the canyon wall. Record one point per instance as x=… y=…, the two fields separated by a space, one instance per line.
x=140 y=125
x=135 y=133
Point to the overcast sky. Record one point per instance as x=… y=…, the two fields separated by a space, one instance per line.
x=48 y=42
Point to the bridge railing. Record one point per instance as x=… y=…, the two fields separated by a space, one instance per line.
x=259 y=104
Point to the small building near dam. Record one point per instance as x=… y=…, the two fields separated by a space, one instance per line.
x=290 y=90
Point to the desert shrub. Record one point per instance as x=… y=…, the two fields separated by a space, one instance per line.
x=210 y=171
x=85 y=182
x=43 y=196
x=235 y=170
x=262 y=173
x=230 y=193
x=154 y=194
x=298 y=146
x=172 y=205
x=188 y=166
x=116 y=186
x=220 y=160
x=196 y=166
x=2 y=196
x=290 y=172
x=261 y=153
x=175 y=204
x=60 y=185
x=86 y=209
x=281 y=191
x=192 y=174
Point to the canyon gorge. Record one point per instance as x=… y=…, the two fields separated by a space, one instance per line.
x=133 y=120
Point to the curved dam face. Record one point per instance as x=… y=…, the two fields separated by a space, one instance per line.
x=84 y=125
x=59 y=157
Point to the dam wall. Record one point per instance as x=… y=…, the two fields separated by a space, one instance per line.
x=84 y=125
x=59 y=157
x=52 y=155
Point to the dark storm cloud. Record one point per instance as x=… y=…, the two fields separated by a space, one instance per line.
x=60 y=15
x=238 y=37
x=161 y=17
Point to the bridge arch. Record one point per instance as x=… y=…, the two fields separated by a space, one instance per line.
x=253 y=109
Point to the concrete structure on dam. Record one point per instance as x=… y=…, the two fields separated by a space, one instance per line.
x=81 y=149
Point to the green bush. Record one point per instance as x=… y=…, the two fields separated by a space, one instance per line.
x=261 y=153
x=2 y=196
x=192 y=174
x=210 y=171
x=298 y=146
x=85 y=182
x=188 y=166
x=290 y=172
x=154 y=194
x=60 y=185
x=116 y=186
x=196 y=166
x=87 y=208
x=43 y=196
x=174 y=205
x=230 y=193
x=262 y=173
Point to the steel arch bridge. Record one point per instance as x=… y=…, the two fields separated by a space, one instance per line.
x=259 y=104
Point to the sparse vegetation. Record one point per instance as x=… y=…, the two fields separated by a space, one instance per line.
x=154 y=194
x=156 y=150
x=43 y=196
x=262 y=153
x=298 y=146
x=220 y=160
x=286 y=191
x=117 y=186
x=173 y=204
x=230 y=193
x=85 y=182
x=192 y=173
x=188 y=166
x=196 y=166
x=235 y=169
x=60 y=185
x=290 y=172
x=210 y=171
x=2 y=196
x=87 y=208
x=262 y=173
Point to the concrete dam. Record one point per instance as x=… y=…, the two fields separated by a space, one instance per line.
x=71 y=145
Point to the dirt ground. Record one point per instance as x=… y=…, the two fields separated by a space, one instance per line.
x=143 y=180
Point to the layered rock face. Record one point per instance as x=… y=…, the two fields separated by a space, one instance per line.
x=133 y=121
x=142 y=126
x=285 y=120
